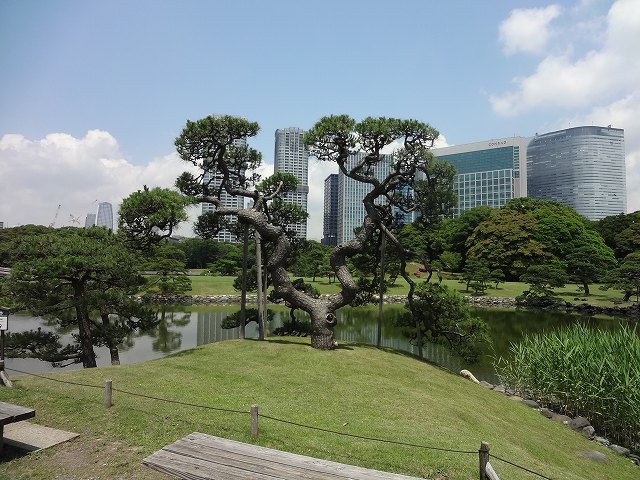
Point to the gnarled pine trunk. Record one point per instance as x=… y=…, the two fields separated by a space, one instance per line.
x=84 y=328
x=322 y=323
x=113 y=348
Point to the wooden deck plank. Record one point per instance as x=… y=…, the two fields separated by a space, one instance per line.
x=195 y=469
x=269 y=454
x=199 y=456
x=243 y=461
x=10 y=413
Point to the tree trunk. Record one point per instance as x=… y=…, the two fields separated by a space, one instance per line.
x=113 y=348
x=261 y=320
x=84 y=329
x=322 y=323
x=586 y=288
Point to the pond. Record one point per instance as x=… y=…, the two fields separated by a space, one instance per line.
x=183 y=327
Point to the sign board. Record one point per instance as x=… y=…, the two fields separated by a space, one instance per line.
x=4 y=322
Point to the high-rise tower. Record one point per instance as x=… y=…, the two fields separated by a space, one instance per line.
x=351 y=193
x=90 y=220
x=330 y=224
x=291 y=157
x=581 y=167
x=104 y=217
x=214 y=180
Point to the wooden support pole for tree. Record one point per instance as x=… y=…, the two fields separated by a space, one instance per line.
x=107 y=393
x=484 y=459
x=261 y=319
x=254 y=421
x=243 y=296
x=381 y=290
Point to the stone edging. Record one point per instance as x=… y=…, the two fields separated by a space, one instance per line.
x=483 y=301
x=577 y=424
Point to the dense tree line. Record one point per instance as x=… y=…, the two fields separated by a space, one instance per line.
x=540 y=242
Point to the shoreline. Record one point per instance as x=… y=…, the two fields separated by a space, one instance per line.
x=480 y=301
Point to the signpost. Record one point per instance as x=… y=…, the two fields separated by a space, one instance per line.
x=4 y=325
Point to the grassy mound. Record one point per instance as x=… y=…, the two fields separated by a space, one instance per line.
x=356 y=389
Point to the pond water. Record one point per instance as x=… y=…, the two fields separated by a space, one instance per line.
x=183 y=327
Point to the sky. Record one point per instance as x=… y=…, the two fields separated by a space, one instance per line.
x=93 y=93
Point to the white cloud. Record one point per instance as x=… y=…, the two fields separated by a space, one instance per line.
x=39 y=175
x=602 y=86
x=602 y=74
x=527 y=30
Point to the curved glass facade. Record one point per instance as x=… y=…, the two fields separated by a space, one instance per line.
x=582 y=167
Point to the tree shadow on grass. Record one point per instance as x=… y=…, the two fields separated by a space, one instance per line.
x=284 y=341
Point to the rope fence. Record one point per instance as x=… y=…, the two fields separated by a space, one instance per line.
x=486 y=470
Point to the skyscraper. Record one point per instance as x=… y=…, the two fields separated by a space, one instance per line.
x=90 y=221
x=330 y=224
x=581 y=167
x=351 y=193
x=291 y=157
x=489 y=172
x=104 y=217
x=227 y=201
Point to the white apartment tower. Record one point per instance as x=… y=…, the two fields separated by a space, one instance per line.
x=214 y=180
x=291 y=157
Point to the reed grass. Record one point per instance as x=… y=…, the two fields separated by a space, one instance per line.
x=582 y=371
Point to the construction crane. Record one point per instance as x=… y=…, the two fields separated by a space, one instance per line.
x=52 y=224
x=75 y=219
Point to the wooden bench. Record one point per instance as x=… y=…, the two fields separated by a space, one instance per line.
x=10 y=413
x=204 y=457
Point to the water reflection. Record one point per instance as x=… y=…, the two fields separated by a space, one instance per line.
x=210 y=327
x=181 y=328
x=167 y=338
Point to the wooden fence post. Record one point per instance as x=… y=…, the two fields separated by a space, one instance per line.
x=107 y=393
x=254 y=421
x=484 y=458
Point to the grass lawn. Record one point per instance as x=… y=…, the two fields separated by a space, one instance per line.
x=356 y=389
x=213 y=285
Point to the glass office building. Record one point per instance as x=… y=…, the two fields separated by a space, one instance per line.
x=330 y=224
x=581 y=167
x=90 y=220
x=104 y=217
x=488 y=173
x=351 y=193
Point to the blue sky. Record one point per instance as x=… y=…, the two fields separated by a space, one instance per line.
x=93 y=93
